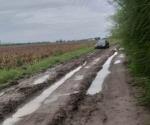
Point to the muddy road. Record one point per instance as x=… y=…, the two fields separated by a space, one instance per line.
x=110 y=99
x=91 y=90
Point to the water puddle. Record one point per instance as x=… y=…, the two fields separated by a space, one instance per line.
x=96 y=85
x=2 y=93
x=33 y=105
x=117 y=62
x=121 y=49
x=84 y=64
x=79 y=77
x=96 y=60
x=72 y=93
x=121 y=56
x=41 y=79
x=87 y=67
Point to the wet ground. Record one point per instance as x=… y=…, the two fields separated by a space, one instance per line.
x=92 y=90
x=12 y=97
x=110 y=100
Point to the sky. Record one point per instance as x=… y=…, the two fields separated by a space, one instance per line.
x=51 y=20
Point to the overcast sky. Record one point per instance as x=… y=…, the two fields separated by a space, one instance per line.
x=50 y=20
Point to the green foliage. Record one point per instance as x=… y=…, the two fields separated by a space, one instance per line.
x=132 y=27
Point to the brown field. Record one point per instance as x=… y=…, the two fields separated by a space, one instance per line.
x=18 y=55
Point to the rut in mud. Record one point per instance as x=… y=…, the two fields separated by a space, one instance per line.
x=33 y=105
x=12 y=97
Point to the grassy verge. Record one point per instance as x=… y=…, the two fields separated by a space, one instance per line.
x=142 y=83
x=7 y=75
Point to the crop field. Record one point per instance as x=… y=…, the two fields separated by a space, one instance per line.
x=17 y=61
x=18 y=55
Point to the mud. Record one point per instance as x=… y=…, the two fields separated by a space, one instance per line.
x=114 y=105
x=97 y=83
x=34 y=104
x=69 y=104
x=24 y=89
x=64 y=100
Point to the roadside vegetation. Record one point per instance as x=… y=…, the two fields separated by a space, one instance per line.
x=132 y=29
x=33 y=59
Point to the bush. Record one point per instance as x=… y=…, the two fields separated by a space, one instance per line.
x=132 y=27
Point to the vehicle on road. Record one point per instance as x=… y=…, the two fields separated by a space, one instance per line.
x=102 y=43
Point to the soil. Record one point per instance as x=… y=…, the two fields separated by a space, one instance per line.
x=114 y=105
x=12 y=97
x=70 y=104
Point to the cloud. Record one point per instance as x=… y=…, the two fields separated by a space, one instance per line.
x=40 y=20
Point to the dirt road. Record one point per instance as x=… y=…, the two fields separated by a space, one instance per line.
x=94 y=92
x=114 y=105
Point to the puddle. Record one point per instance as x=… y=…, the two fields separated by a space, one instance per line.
x=117 y=62
x=67 y=94
x=2 y=93
x=79 y=77
x=87 y=67
x=53 y=99
x=96 y=85
x=41 y=79
x=115 y=49
x=33 y=105
x=121 y=56
x=96 y=60
x=84 y=63
x=121 y=49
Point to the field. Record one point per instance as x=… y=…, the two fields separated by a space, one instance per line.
x=19 y=61
x=19 y=55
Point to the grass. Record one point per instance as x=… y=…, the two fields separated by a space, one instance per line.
x=142 y=84
x=7 y=75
